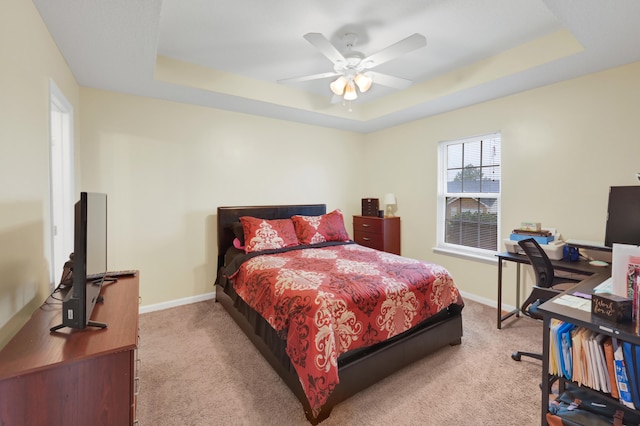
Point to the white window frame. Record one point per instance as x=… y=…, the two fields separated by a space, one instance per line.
x=456 y=249
x=61 y=170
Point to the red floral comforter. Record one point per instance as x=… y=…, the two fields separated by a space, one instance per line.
x=330 y=300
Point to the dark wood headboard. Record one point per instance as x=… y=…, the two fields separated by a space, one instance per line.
x=228 y=215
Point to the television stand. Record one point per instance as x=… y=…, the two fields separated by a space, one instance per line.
x=89 y=324
x=71 y=377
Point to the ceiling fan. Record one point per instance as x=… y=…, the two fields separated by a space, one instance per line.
x=353 y=68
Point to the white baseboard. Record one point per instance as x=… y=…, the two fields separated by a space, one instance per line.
x=177 y=302
x=485 y=301
x=212 y=295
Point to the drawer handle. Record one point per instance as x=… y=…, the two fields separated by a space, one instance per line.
x=366 y=239
x=365 y=225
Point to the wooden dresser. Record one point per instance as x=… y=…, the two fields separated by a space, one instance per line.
x=380 y=233
x=74 y=377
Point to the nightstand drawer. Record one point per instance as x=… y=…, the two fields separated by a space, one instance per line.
x=369 y=239
x=368 y=224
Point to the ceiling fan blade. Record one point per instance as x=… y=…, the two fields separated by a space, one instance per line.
x=389 y=80
x=310 y=77
x=411 y=43
x=325 y=47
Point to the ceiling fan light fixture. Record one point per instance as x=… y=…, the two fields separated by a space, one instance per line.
x=350 y=91
x=363 y=81
x=352 y=67
x=338 y=85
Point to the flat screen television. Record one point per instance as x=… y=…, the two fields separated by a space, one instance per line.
x=623 y=216
x=89 y=262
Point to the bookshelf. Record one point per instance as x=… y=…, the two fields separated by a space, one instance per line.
x=550 y=310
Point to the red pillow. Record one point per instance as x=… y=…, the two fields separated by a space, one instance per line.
x=264 y=234
x=318 y=229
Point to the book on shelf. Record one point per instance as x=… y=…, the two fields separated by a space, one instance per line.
x=539 y=238
x=594 y=363
x=611 y=368
x=631 y=354
x=541 y=233
x=633 y=280
x=621 y=376
x=603 y=371
x=595 y=360
x=565 y=346
x=625 y=260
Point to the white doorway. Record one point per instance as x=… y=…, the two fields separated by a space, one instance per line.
x=62 y=181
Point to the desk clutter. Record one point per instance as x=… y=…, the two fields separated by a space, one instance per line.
x=545 y=237
x=578 y=406
x=542 y=237
x=625 y=274
x=370 y=207
x=617 y=299
x=611 y=308
x=595 y=360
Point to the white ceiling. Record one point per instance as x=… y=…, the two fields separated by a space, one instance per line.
x=229 y=54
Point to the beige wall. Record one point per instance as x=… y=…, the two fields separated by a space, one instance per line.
x=166 y=171
x=562 y=147
x=33 y=59
x=167 y=166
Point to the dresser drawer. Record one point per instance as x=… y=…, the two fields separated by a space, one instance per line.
x=368 y=224
x=380 y=233
x=369 y=239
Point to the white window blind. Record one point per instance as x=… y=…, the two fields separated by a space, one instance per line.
x=469 y=194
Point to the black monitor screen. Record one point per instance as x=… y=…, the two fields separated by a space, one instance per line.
x=623 y=218
x=96 y=233
x=89 y=262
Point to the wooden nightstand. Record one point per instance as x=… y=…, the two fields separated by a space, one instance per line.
x=380 y=233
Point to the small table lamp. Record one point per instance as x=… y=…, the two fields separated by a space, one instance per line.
x=390 y=201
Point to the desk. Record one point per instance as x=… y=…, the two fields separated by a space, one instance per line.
x=626 y=332
x=581 y=267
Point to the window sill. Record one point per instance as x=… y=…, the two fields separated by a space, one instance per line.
x=478 y=257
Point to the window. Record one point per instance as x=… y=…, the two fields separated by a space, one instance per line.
x=469 y=195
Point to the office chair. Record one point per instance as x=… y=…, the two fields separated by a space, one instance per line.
x=547 y=286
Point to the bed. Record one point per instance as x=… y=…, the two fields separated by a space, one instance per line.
x=349 y=370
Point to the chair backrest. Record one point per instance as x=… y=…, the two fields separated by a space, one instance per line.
x=541 y=263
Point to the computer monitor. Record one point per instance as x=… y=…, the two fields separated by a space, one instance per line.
x=623 y=216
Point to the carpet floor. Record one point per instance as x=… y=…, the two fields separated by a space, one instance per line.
x=198 y=368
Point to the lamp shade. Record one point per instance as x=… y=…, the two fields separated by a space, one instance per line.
x=350 y=91
x=363 y=82
x=390 y=199
x=337 y=86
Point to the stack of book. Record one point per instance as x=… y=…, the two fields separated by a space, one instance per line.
x=633 y=285
x=542 y=236
x=595 y=360
x=625 y=274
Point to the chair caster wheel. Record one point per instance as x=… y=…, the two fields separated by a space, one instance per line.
x=515 y=356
